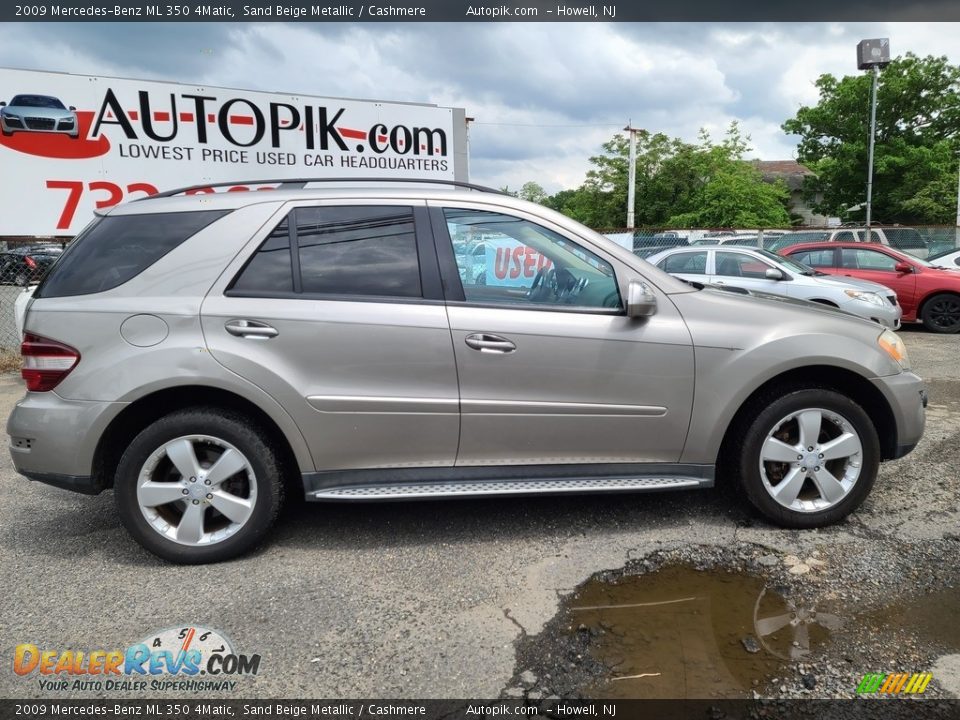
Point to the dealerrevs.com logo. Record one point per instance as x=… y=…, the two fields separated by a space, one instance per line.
x=190 y=658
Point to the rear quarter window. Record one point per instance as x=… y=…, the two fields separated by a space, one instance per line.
x=117 y=248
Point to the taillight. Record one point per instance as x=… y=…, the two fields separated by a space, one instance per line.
x=46 y=362
x=31 y=263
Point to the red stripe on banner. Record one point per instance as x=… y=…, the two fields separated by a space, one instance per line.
x=211 y=118
x=186 y=117
x=161 y=116
x=133 y=114
x=353 y=134
x=241 y=119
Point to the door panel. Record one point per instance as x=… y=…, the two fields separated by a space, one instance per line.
x=579 y=388
x=370 y=384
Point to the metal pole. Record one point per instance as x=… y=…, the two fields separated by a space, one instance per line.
x=873 y=131
x=632 y=174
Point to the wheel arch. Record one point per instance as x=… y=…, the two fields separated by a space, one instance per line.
x=828 y=377
x=148 y=408
x=930 y=295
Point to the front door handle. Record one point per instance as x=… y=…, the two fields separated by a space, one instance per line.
x=253 y=329
x=487 y=343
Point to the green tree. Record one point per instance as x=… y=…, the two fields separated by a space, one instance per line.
x=532 y=192
x=917 y=140
x=677 y=183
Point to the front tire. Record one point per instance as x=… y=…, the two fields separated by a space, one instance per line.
x=806 y=458
x=941 y=313
x=199 y=485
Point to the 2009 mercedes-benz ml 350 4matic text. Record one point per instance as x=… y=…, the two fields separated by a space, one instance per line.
x=202 y=353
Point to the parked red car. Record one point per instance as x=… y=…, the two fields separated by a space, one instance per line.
x=927 y=293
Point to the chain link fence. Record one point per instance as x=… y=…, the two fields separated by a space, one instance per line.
x=919 y=241
x=23 y=262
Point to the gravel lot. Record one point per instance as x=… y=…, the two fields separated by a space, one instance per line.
x=437 y=599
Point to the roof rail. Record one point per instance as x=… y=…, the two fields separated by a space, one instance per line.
x=296 y=183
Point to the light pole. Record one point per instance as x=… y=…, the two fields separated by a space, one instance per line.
x=631 y=175
x=872 y=55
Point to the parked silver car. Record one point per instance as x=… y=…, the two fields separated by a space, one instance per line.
x=755 y=269
x=38 y=113
x=202 y=355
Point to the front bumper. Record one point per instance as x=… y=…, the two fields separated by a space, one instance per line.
x=907 y=397
x=53 y=440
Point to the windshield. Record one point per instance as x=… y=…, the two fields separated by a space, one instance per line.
x=38 y=101
x=797 y=267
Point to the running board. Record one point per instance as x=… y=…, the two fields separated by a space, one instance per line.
x=557 y=486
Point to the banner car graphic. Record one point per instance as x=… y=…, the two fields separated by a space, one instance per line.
x=70 y=144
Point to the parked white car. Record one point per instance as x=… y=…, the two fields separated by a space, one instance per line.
x=949 y=260
x=760 y=270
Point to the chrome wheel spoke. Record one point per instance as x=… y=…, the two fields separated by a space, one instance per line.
x=802 y=639
x=789 y=488
x=775 y=450
x=842 y=447
x=190 y=529
x=183 y=457
x=227 y=465
x=236 y=509
x=809 y=422
x=768 y=626
x=830 y=488
x=152 y=494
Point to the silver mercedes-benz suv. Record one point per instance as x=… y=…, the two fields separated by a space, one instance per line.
x=201 y=354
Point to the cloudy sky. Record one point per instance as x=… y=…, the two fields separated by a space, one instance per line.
x=545 y=96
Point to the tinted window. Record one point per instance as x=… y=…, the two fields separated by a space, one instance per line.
x=506 y=259
x=269 y=270
x=358 y=250
x=857 y=259
x=693 y=263
x=814 y=258
x=117 y=248
x=845 y=236
x=739 y=265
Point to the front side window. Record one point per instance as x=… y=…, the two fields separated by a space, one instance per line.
x=690 y=263
x=505 y=259
x=740 y=265
x=867 y=260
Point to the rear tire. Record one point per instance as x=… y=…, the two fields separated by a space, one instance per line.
x=941 y=313
x=804 y=458
x=180 y=504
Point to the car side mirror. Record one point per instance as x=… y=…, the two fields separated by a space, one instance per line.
x=2 y=104
x=773 y=274
x=641 y=302
x=902 y=267
x=72 y=108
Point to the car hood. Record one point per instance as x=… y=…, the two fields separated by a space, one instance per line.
x=783 y=301
x=52 y=113
x=847 y=282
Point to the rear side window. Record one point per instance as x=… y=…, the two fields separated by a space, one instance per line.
x=118 y=248
x=694 y=263
x=337 y=250
x=358 y=250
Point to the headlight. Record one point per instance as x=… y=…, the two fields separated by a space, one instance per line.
x=865 y=296
x=893 y=346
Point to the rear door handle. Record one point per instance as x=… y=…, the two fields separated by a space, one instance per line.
x=487 y=343
x=253 y=329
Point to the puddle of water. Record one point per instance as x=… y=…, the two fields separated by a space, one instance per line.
x=679 y=633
